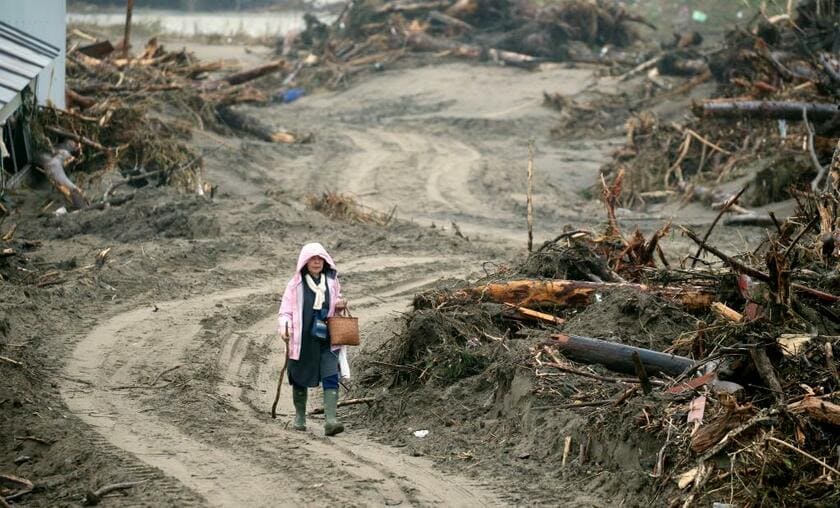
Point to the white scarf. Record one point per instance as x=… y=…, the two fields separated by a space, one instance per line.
x=320 y=290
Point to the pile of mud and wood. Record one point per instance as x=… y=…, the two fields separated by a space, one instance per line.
x=130 y=120
x=773 y=122
x=370 y=34
x=711 y=378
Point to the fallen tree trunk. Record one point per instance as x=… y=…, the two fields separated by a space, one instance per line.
x=242 y=122
x=749 y=219
x=424 y=42
x=254 y=73
x=53 y=166
x=76 y=99
x=575 y=293
x=619 y=357
x=782 y=110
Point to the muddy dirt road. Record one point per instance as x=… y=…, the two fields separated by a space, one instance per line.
x=178 y=374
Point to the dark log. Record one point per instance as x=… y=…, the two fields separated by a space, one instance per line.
x=409 y=6
x=618 y=357
x=245 y=123
x=254 y=73
x=749 y=219
x=76 y=99
x=575 y=293
x=768 y=374
x=129 y=10
x=53 y=166
x=99 y=49
x=782 y=110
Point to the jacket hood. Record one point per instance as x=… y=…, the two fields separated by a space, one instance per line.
x=309 y=251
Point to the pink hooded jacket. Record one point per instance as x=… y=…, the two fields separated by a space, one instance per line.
x=291 y=306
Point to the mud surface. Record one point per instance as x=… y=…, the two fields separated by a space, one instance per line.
x=160 y=364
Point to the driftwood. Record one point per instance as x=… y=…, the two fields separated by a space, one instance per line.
x=749 y=219
x=79 y=139
x=94 y=498
x=618 y=357
x=76 y=99
x=726 y=312
x=781 y=110
x=819 y=409
x=24 y=486
x=423 y=42
x=254 y=73
x=450 y=21
x=343 y=403
x=536 y=315
x=53 y=166
x=768 y=374
x=245 y=123
x=758 y=274
x=573 y=293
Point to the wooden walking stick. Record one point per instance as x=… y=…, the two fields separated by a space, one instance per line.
x=282 y=373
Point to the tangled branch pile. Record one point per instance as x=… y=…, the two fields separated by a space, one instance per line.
x=136 y=114
x=732 y=367
x=774 y=119
x=372 y=33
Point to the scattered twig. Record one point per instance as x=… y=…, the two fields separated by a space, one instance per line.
x=9 y=360
x=804 y=453
x=161 y=374
x=741 y=267
x=343 y=403
x=530 y=202
x=729 y=202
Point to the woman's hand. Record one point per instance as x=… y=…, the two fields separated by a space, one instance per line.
x=340 y=304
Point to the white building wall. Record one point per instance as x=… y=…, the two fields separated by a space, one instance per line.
x=46 y=20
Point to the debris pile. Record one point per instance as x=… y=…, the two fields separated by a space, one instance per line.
x=344 y=207
x=723 y=375
x=373 y=33
x=135 y=115
x=773 y=119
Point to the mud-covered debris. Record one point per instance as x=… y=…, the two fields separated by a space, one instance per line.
x=709 y=394
x=773 y=119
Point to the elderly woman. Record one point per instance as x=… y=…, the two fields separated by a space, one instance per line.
x=311 y=296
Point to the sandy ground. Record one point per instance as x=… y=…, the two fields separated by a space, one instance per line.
x=169 y=357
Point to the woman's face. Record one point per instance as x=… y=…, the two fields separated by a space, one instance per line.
x=315 y=265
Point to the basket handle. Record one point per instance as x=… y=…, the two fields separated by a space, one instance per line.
x=345 y=311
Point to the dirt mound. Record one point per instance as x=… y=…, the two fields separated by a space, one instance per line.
x=148 y=216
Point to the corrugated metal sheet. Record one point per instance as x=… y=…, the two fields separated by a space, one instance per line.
x=22 y=57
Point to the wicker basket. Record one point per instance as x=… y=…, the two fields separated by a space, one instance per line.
x=344 y=329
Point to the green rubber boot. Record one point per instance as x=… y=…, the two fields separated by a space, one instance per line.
x=332 y=426
x=299 y=398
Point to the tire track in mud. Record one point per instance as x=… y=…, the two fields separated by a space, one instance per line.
x=116 y=352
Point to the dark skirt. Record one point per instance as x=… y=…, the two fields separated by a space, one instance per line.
x=316 y=360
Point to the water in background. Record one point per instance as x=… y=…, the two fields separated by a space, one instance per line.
x=253 y=24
